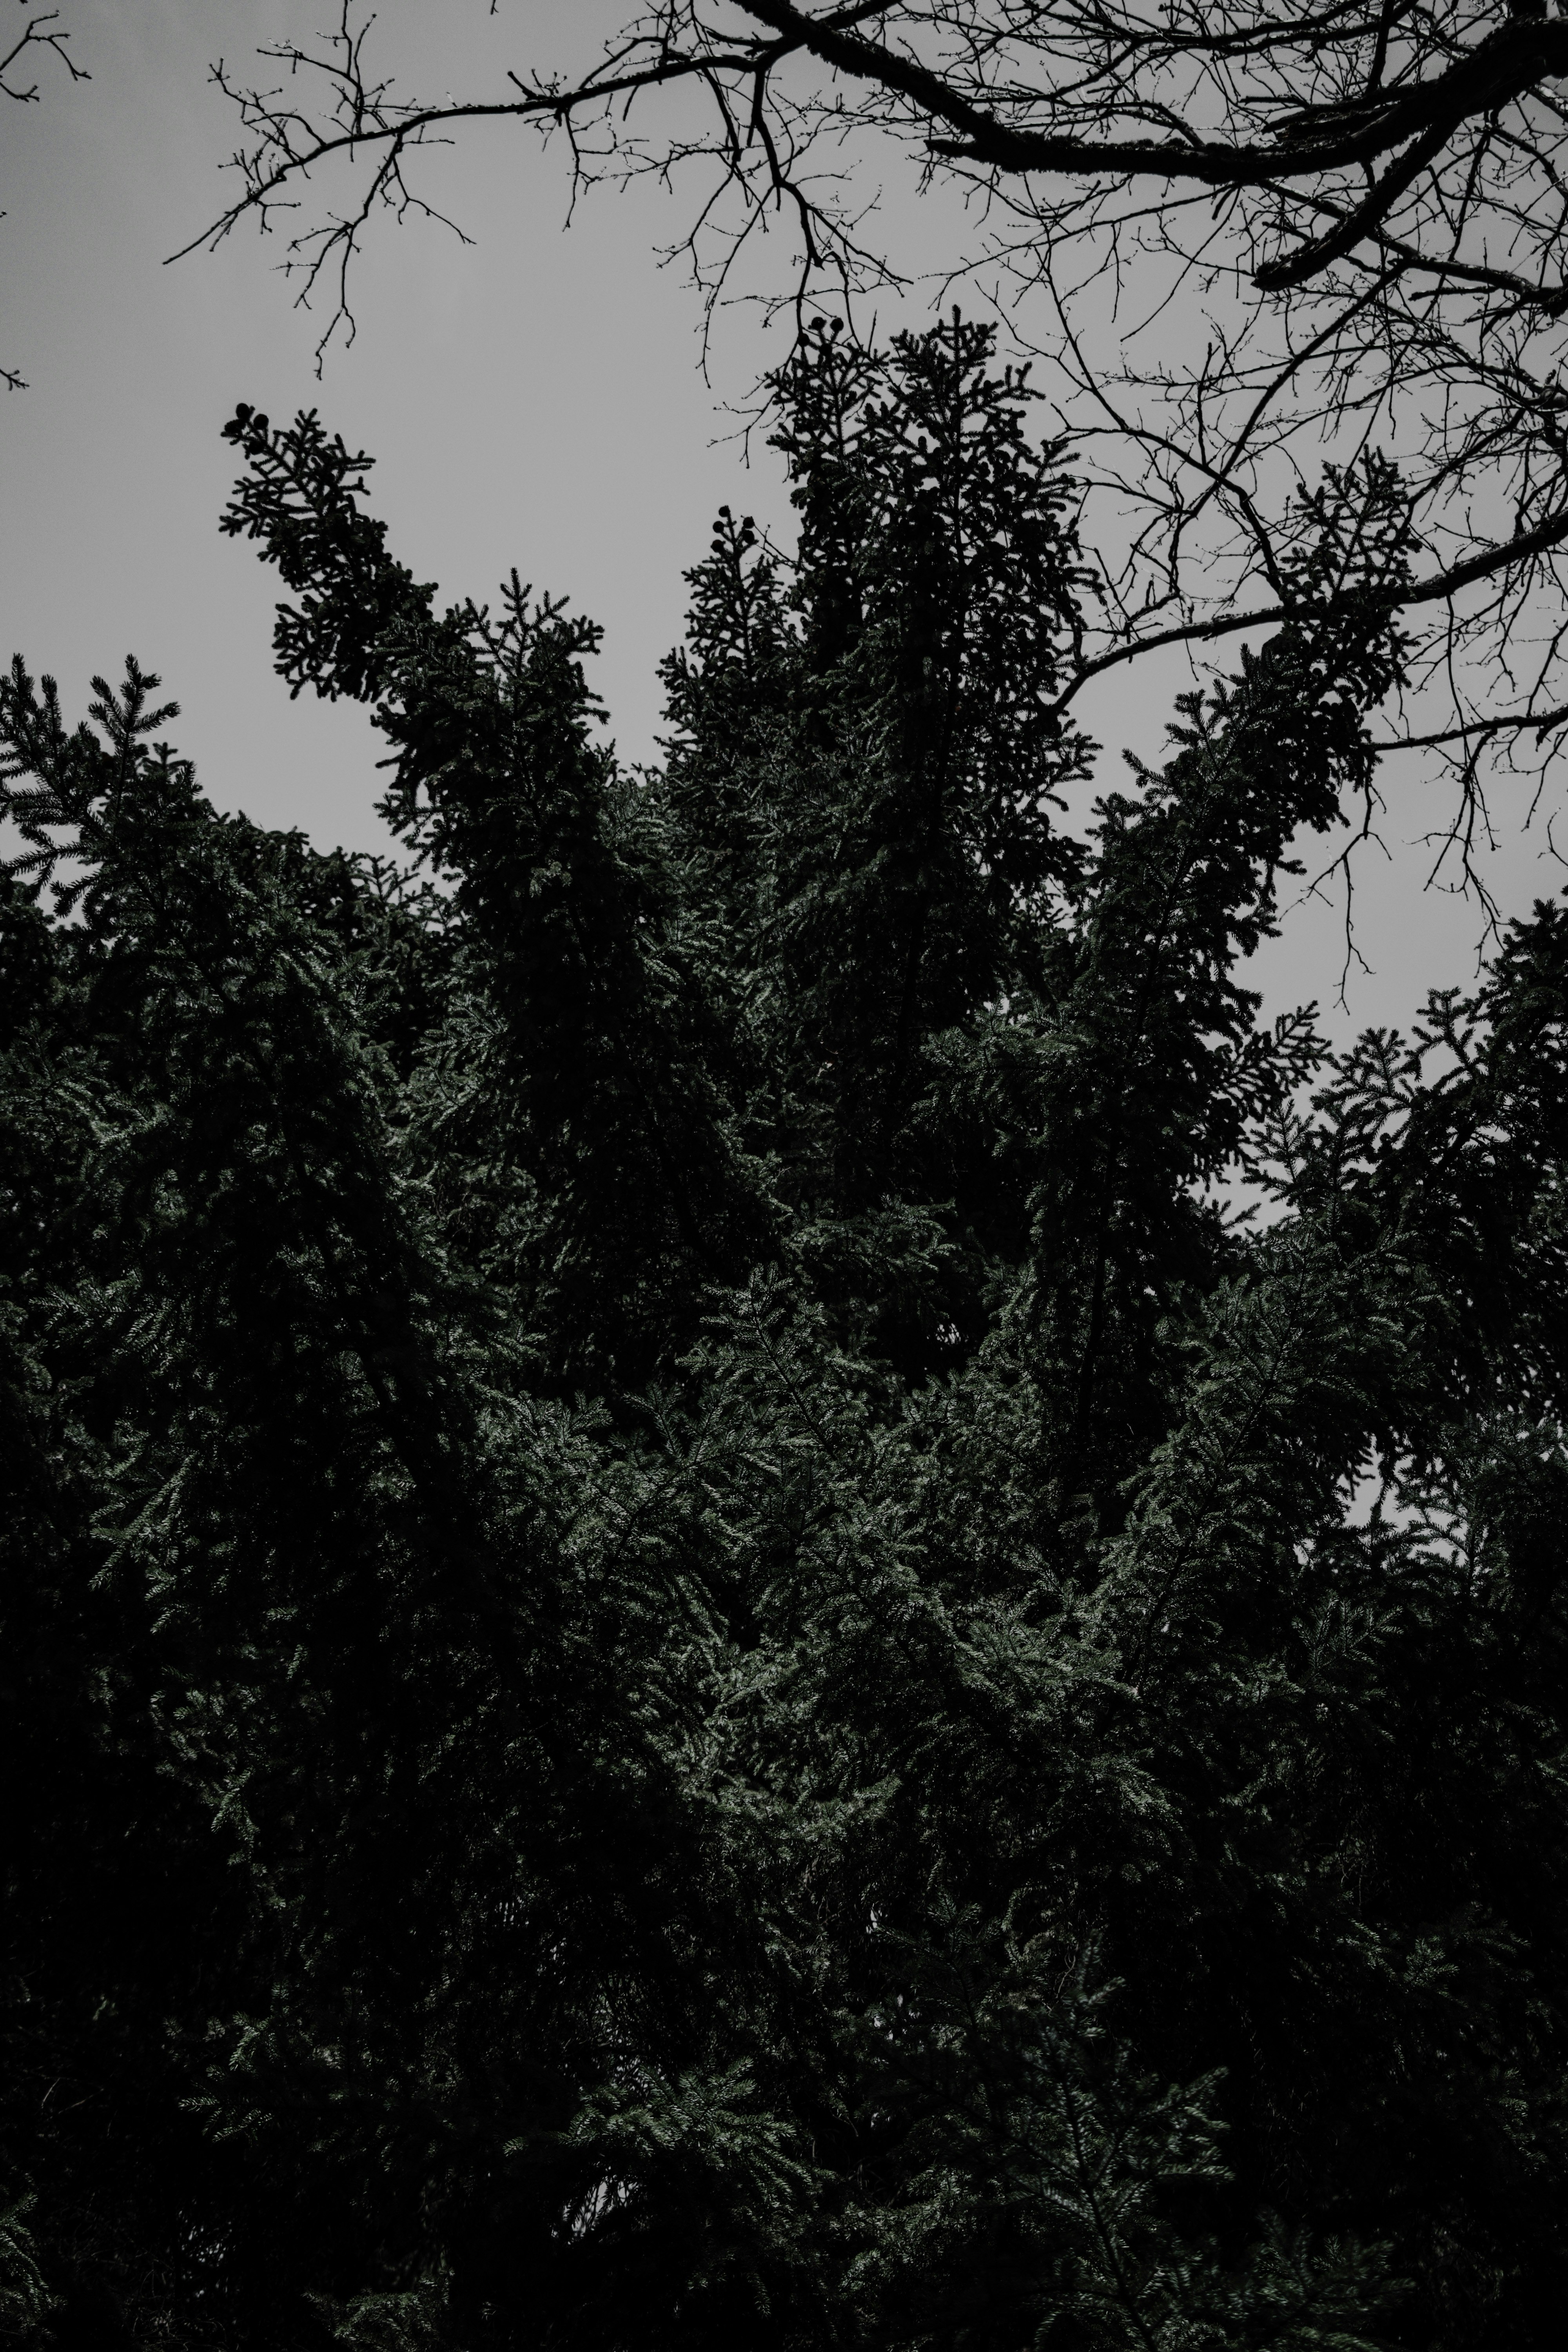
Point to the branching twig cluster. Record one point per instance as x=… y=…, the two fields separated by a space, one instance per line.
x=39 y=32
x=1249 y=236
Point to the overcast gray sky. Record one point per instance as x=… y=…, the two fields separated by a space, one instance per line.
x=536 y=398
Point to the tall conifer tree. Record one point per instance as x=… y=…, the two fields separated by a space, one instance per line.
x=696 y=1651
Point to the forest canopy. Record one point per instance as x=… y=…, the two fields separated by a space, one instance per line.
x=759 y=1587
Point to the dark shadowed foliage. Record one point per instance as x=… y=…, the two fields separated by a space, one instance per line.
x=698 y=1650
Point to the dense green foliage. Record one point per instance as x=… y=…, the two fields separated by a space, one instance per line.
x=696 y=1653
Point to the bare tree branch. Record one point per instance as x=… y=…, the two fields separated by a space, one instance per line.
x=39 y=32
x=1312 y=141
x=1439 y=587
x=36 y=34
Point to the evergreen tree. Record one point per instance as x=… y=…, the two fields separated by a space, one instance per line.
x=697 y=1649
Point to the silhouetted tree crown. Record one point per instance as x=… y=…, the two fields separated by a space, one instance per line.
x=699 y=1649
